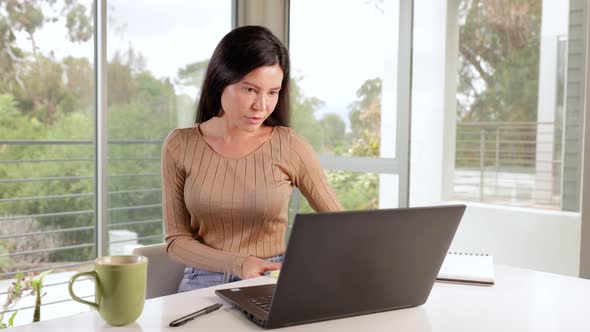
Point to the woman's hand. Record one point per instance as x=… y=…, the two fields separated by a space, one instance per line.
x=255 y=267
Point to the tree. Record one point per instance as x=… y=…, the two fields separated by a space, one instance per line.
x=8 y=111
x=334 y=130
x=27 y=16
x=365 y=119
x=303 y=116
x=192 y=75
x=356 y=191
x=498 y=74
x=498 y=60
x=121 y=88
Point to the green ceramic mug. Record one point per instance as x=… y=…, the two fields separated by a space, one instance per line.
x=120 y=287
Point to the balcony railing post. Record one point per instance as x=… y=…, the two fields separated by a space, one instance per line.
x=482 y=165
x=497 y=157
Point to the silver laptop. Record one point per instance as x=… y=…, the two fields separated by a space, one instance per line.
x=342 y=264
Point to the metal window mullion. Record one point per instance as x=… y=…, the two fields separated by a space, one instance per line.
x=234 y=14
x=101 y=139
x=404 y=85
x=584 y=200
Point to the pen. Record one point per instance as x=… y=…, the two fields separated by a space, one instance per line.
x=195 y=314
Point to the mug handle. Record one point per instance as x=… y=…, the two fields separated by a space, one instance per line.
x=71 y=287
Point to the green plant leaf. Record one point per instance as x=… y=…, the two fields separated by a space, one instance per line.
x=11 y=319
x=43 y=274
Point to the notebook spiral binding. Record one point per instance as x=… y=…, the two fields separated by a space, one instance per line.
x=467 y=253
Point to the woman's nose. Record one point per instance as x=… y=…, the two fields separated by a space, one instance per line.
x=260 y=103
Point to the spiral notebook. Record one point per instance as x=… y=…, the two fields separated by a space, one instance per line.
x=469 y=268
x=458 y=267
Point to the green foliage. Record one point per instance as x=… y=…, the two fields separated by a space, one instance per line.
x=356 y=191
x=28 y=16
x=10 y=320
x=303 y=118
x=498 y=81
x=20 y=287
x=365 y=119
x=141 y=107
x=37 y=285
x=192 y=74
x=334 y=133
x=499 y=60
x=8 y=111
x=78 y=22
x=4 y=261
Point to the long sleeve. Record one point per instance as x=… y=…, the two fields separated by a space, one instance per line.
x=308 y=175
x=181 y=244
x=219 y=210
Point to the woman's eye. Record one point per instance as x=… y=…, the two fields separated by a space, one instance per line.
x=250 y=90
x=274 y=93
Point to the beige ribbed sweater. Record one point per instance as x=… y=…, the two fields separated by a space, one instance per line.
x=219 y=210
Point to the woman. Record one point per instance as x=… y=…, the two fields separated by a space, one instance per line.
x=227 y=180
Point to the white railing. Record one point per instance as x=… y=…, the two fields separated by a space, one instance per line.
x=509 y=163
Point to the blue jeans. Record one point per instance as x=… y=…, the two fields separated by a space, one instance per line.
x=195 y=278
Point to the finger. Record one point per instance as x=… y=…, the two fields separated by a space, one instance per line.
x=272 y=266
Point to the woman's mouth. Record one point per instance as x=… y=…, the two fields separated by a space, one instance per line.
x=254 y=119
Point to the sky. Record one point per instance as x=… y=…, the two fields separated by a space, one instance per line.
x=334 y=54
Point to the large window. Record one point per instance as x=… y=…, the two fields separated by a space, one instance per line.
x=344 y=93
x=47 y=217
x=154 y=76
x=511 y=103
x=156 y=56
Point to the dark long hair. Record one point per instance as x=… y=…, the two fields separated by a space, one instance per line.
x=238 y=53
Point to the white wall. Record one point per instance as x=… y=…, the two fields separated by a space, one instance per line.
x=536 y=239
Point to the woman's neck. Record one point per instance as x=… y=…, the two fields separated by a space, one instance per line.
x=220 y=129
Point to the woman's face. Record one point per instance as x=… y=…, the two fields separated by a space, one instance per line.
x=247 y=103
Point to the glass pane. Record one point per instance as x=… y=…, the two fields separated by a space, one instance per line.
x=510 y=103
x=338 y=96
x=355 y=190
x=154 y=75
x=47 y=168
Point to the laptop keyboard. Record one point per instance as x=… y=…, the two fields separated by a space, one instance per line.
x=262 y=302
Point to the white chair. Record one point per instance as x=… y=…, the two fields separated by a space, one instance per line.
x=163 y=274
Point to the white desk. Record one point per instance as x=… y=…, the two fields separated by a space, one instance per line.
x=521 y=300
